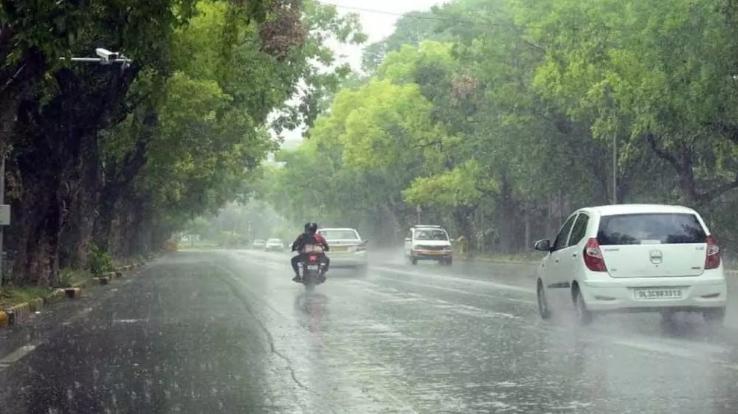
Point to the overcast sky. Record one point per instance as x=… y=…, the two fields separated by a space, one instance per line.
x=378 y=18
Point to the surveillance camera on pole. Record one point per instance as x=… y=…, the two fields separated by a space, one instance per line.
x=106 y=57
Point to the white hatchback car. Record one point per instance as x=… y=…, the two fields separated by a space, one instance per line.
x=347 y=249
x=632 y=258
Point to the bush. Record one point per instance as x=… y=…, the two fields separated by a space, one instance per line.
x=100 y=261
x=68 y=277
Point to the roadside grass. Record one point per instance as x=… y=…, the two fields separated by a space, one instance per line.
x=69 y=277
x=532 y=257
x=10 y=296
x=198 y=245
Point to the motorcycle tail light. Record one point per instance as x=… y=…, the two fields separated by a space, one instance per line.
x=313 y=258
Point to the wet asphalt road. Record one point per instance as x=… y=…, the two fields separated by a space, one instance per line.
x=229 y=332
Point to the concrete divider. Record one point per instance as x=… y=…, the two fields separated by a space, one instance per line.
x=73 y=292
x=55 y=296
x=36 y=304
x=19 y=313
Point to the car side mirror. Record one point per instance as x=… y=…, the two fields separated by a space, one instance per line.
x=543 y=245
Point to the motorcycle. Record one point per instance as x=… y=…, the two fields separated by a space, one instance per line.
x=312 y=268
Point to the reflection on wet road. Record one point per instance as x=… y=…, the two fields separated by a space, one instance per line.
x=229 y=332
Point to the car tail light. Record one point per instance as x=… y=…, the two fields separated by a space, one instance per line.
x=712 y=259
x=361 y=247
x=593 y=256
x=312 y=258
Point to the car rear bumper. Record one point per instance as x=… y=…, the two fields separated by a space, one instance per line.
x=348 y=259
x=705 y=291
x=430 y=254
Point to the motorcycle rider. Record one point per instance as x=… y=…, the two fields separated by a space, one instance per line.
x=310 y=236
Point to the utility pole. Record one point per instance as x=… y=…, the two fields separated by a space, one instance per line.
x=418 y=210
x=2 y=201
x=4 y=214
x=614 y=168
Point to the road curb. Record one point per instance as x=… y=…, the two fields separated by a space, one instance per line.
x=102 y=280
x=501 y=261
x=21 y=312
x=73 y=292
x=36 y=304
x=56 y=296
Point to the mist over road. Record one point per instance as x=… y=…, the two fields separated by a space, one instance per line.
x=227 y=331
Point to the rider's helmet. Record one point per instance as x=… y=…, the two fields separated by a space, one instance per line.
x=311 y=228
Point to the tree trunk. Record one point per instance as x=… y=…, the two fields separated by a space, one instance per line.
x=463 y=220
x=83 y=194
x=38 y=214
x=507 y=217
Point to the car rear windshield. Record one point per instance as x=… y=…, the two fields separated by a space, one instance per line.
x=430 y=235
x=652 y=228
x=339 y=234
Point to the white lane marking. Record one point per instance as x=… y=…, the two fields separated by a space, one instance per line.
x=16 y=355
x=272 y=260
x=644 y=344
x=386 y=391
x=454 y=278
x=459 y=291
x=129 y=320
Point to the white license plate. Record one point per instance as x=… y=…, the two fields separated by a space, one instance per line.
x=312 y=267
x=657 y=293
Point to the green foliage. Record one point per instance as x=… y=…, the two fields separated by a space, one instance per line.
x=100 y=261
x=68 y=277
x=456 y=187
x=498 y=117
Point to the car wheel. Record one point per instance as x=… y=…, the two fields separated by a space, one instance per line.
x=714 y=316
x=584 y=316
x=414 y=261
x=543 y=308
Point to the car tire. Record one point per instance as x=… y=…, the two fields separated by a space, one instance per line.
x=714 y=316
x=543 y=307
x=414 y=261
x=583 y=315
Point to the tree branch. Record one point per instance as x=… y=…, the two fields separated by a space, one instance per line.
x=728 y=131
x=661 y=153
x=717 y=191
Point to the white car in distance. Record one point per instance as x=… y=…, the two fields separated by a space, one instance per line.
x=632 y=258
x=347 y=249
x=428 y=242
x=274 y=245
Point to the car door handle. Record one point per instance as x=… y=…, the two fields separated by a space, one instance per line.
x=556 y=261
x=574 y=255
